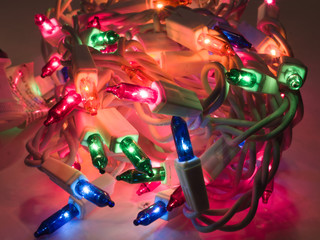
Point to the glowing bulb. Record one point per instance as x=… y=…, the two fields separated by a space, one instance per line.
x=44 y=23
x=90 y=98
x=86 y=189
x=144 y=94
x=273 y=52
x=57 y=220
x=176 y=199
x=98 y=156
x=207 y=41
x=70 y=100
x=63 y=107
x=131 y=149
x=51 y=66
x=136 y=156
x=235 y=39
x=93 y=194
x=150 y=214
x=241 y=78
x=159 y=5
x=95 y=22
x=134 y=93
x=147 y=187
x=181 y=139
x=269 y=1
x=133 y=176
x=215 y=45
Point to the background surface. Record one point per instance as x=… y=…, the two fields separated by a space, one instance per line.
x=27 y=196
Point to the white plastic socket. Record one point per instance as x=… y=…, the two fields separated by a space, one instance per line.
x=184 y=26
x=106 y=182
x=175 y=101
x=54 y=38
x=110 y=124
x=63 y=175
x=183 y=63
x=192 y=184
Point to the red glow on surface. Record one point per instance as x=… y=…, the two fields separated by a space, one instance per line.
x=17 y=78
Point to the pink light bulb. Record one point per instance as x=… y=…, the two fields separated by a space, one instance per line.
x=44 y=23
x=95 y=22
x=63 y=108
x=52 y=65
x=269 y=2
x=147 y=187
x=134 y=93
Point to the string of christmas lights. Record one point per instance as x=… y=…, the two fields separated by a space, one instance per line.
x=161 y=92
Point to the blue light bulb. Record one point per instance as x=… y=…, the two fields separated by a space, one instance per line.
x=150 y=214
x=65 y=74
x=242 y=144
x=57 y=220
x=181 y=139
x=93 y=194
x=236 y=40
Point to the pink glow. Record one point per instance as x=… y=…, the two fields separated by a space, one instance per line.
x=269 y=2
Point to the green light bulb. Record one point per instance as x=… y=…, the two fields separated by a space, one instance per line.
x=294 y=81
x=134 y=176
x=98 y=157
x=111 y=37
x=137 y=157
x=98 y=39
x=241 y=78
x=101 y=40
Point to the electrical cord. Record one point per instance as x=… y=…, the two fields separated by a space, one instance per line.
x=238 y=130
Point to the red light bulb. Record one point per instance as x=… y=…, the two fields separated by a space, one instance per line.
x=176 y=199
x=95 y=22
x=52 y=65
x=76 y=165
x=147 y=187
x=110 y=48
x=63 y=108
x=44 y=23
x=267 y=191
x=134 y=93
